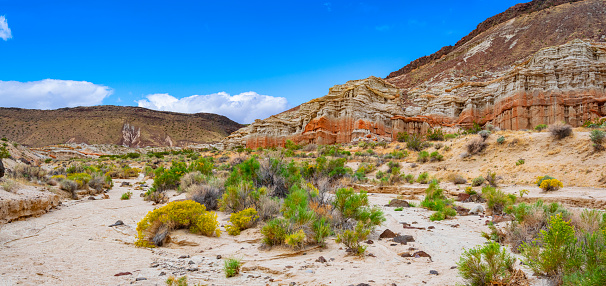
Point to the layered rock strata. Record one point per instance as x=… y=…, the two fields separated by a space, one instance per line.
x=566 y=83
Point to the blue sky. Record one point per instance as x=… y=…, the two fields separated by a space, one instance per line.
x=243 y=59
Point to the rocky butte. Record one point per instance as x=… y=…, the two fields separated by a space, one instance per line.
x=536 y=63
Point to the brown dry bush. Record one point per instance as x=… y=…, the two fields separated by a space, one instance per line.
x=475 y=146
x=206 y=194
x=560 y=131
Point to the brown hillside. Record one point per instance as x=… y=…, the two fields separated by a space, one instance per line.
x=130 y=126
x=507 y=39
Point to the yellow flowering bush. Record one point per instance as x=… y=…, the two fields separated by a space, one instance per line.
x=241 y=220
x=177 y=215
x=547 y=183
x=295 y=239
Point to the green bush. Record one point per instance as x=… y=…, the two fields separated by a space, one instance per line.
x=496 y=200
x=477 y=181
x=126 y=196
x=435 y=134
x=540 y=127
x=402 y=137
x=435 y=156
x=549 y=253
x=501 y=139
x=275 y=231
x=352 y=238
x=423 y=157
x=414 y=142
x=232 y=267
x=483 y=265
x=548 y=183
x=423 y=178
x=356 y=206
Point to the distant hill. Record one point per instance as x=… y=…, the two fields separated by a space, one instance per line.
x=129 y=126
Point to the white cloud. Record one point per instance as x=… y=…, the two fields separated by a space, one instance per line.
x=51 y=94
x=243 y=108
x=5 y=31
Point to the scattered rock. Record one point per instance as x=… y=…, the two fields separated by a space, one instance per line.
x=123 y=274
x=162 y=273
x=387 y=234
x=91 y=198
x=408 y=226
x=154 y=265
x=455 y=225
x=403 y=239
x=191 y=262
x=183 y=256
x=369 y=241
x=421 y=254
x=431 y=227
x=461 y=210
x=397 y=203
x=434 y=272
x=321 y=259
x=463 y=197
x=477 y=210
x=125 y=184
x=218 y=256
x=140 y=279
x=117 y=223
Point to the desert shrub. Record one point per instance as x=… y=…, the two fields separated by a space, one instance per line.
x=520 y=162
x=560 y=131
x=446 y=213
x=547 y=183
x=457 y=179
x=435 y=134
x=274 y=231
x=155 y=196
x=176 y=215
x=321 y=229
x=356 y=206
x=296 y=239
x=379 y=175
x=474 y=129
x=352 y=238
x=126 y=196
x=497 y=200
x=450 y=136
x=435 y=200
x=423 y=157
x=477 y=181
x=476 y=146
x=398 y=154
x=484 y=134
x=410 y=178
x=172 y=281
x=189 y=179
x=423 y=178
x=492 y=178
x=414 y=142
x=206 y=194
x=241 y=220
x=548 y=254
x=402 y=137
x=242 y=196
x=99 y=182
x=232 y=267
x=166 y=179
x=81 y=179
x=540 y=127
x=30 y=173
x=501 y=139
x=10 y=185
x=597 y=137
x=435 y=156
x=203 y=165
x=68 y=185
x=486 y=265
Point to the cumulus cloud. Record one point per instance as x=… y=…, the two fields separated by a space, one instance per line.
x=243 y=108
x=5 y=31
x=51 y=94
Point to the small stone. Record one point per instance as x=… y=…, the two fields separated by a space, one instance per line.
x=191 y=262
x=321 y=259
x=183 y=256
x=431 y=227
x=403 y=239
x=453 y=267
x=289 y=266
x=387 y=234
x=193 y=269
x=218 y=256
x=117 y=223
x=140 y=279
x=477 y=210
x=162 y=273
x=91 y=198
x=434 y=272
x=369 y=241
x=123 y=274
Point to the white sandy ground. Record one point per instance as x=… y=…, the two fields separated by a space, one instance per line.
x=73 y=245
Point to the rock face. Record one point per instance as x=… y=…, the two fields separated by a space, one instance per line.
x=1 y=169
x=537 y=63
x=355 y=110
x=25 y=203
